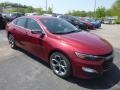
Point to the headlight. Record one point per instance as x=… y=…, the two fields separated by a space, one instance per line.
x=87 y=57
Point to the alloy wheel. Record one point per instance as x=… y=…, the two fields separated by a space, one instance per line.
x=11 y=41
x=60 y=65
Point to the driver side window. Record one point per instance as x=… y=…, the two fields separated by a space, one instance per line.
x=33 y=25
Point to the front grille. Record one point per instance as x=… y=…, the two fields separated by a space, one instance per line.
x=105 y=55
x=107 y=64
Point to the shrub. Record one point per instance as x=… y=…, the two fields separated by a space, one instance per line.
x=117 y=21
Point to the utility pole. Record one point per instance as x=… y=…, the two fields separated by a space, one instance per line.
x=46 y=6
x=95 y=8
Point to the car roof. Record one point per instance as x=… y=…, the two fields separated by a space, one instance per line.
x=38 y=17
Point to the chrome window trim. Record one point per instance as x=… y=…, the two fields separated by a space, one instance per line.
x=27 y=28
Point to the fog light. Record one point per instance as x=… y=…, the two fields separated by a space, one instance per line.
x=89 y=70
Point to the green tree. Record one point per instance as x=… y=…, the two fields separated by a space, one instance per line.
x=50 y=10
x=13 y=10
x=29 y=9
x=109 y=12
x=116 y=8
x=77 y=13
x=39 y=11
x=83 y=13
x=100 y=12
x=90 y=13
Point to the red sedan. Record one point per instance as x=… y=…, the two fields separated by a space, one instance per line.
x=68 y=50
x=89 y=24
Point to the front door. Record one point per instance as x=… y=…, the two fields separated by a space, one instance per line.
x=34 y=42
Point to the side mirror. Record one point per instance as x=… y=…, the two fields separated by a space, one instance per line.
x=38 y=32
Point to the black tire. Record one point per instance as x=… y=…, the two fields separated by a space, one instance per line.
x=11 y=40
x=60 y=65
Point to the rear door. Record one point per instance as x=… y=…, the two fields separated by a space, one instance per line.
x=20 y=31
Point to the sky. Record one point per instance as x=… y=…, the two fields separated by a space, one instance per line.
x=63 y=6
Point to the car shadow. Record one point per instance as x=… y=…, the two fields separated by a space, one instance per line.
x=33 y=57
x=100 y=28
x=108 y=80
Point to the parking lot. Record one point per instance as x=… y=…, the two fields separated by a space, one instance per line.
x=20 y=70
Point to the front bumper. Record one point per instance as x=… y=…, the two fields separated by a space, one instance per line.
x=90 y=69
x=97 y=25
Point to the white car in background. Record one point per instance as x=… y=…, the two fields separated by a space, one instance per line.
x=29 y=14
x=49 y=15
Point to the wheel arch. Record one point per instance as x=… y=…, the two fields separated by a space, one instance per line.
x=8 y=34
x=57 y=50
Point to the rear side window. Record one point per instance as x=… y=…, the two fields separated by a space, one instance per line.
x=21 y=22
x=32 y=25
x=15 y=22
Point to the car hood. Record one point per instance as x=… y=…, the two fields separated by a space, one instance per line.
x=85 y=40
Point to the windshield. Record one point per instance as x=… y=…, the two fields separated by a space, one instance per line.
x=58 y=26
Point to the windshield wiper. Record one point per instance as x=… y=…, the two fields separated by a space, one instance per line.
x=67 y=32
x=59 y=33
x=74 y=31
